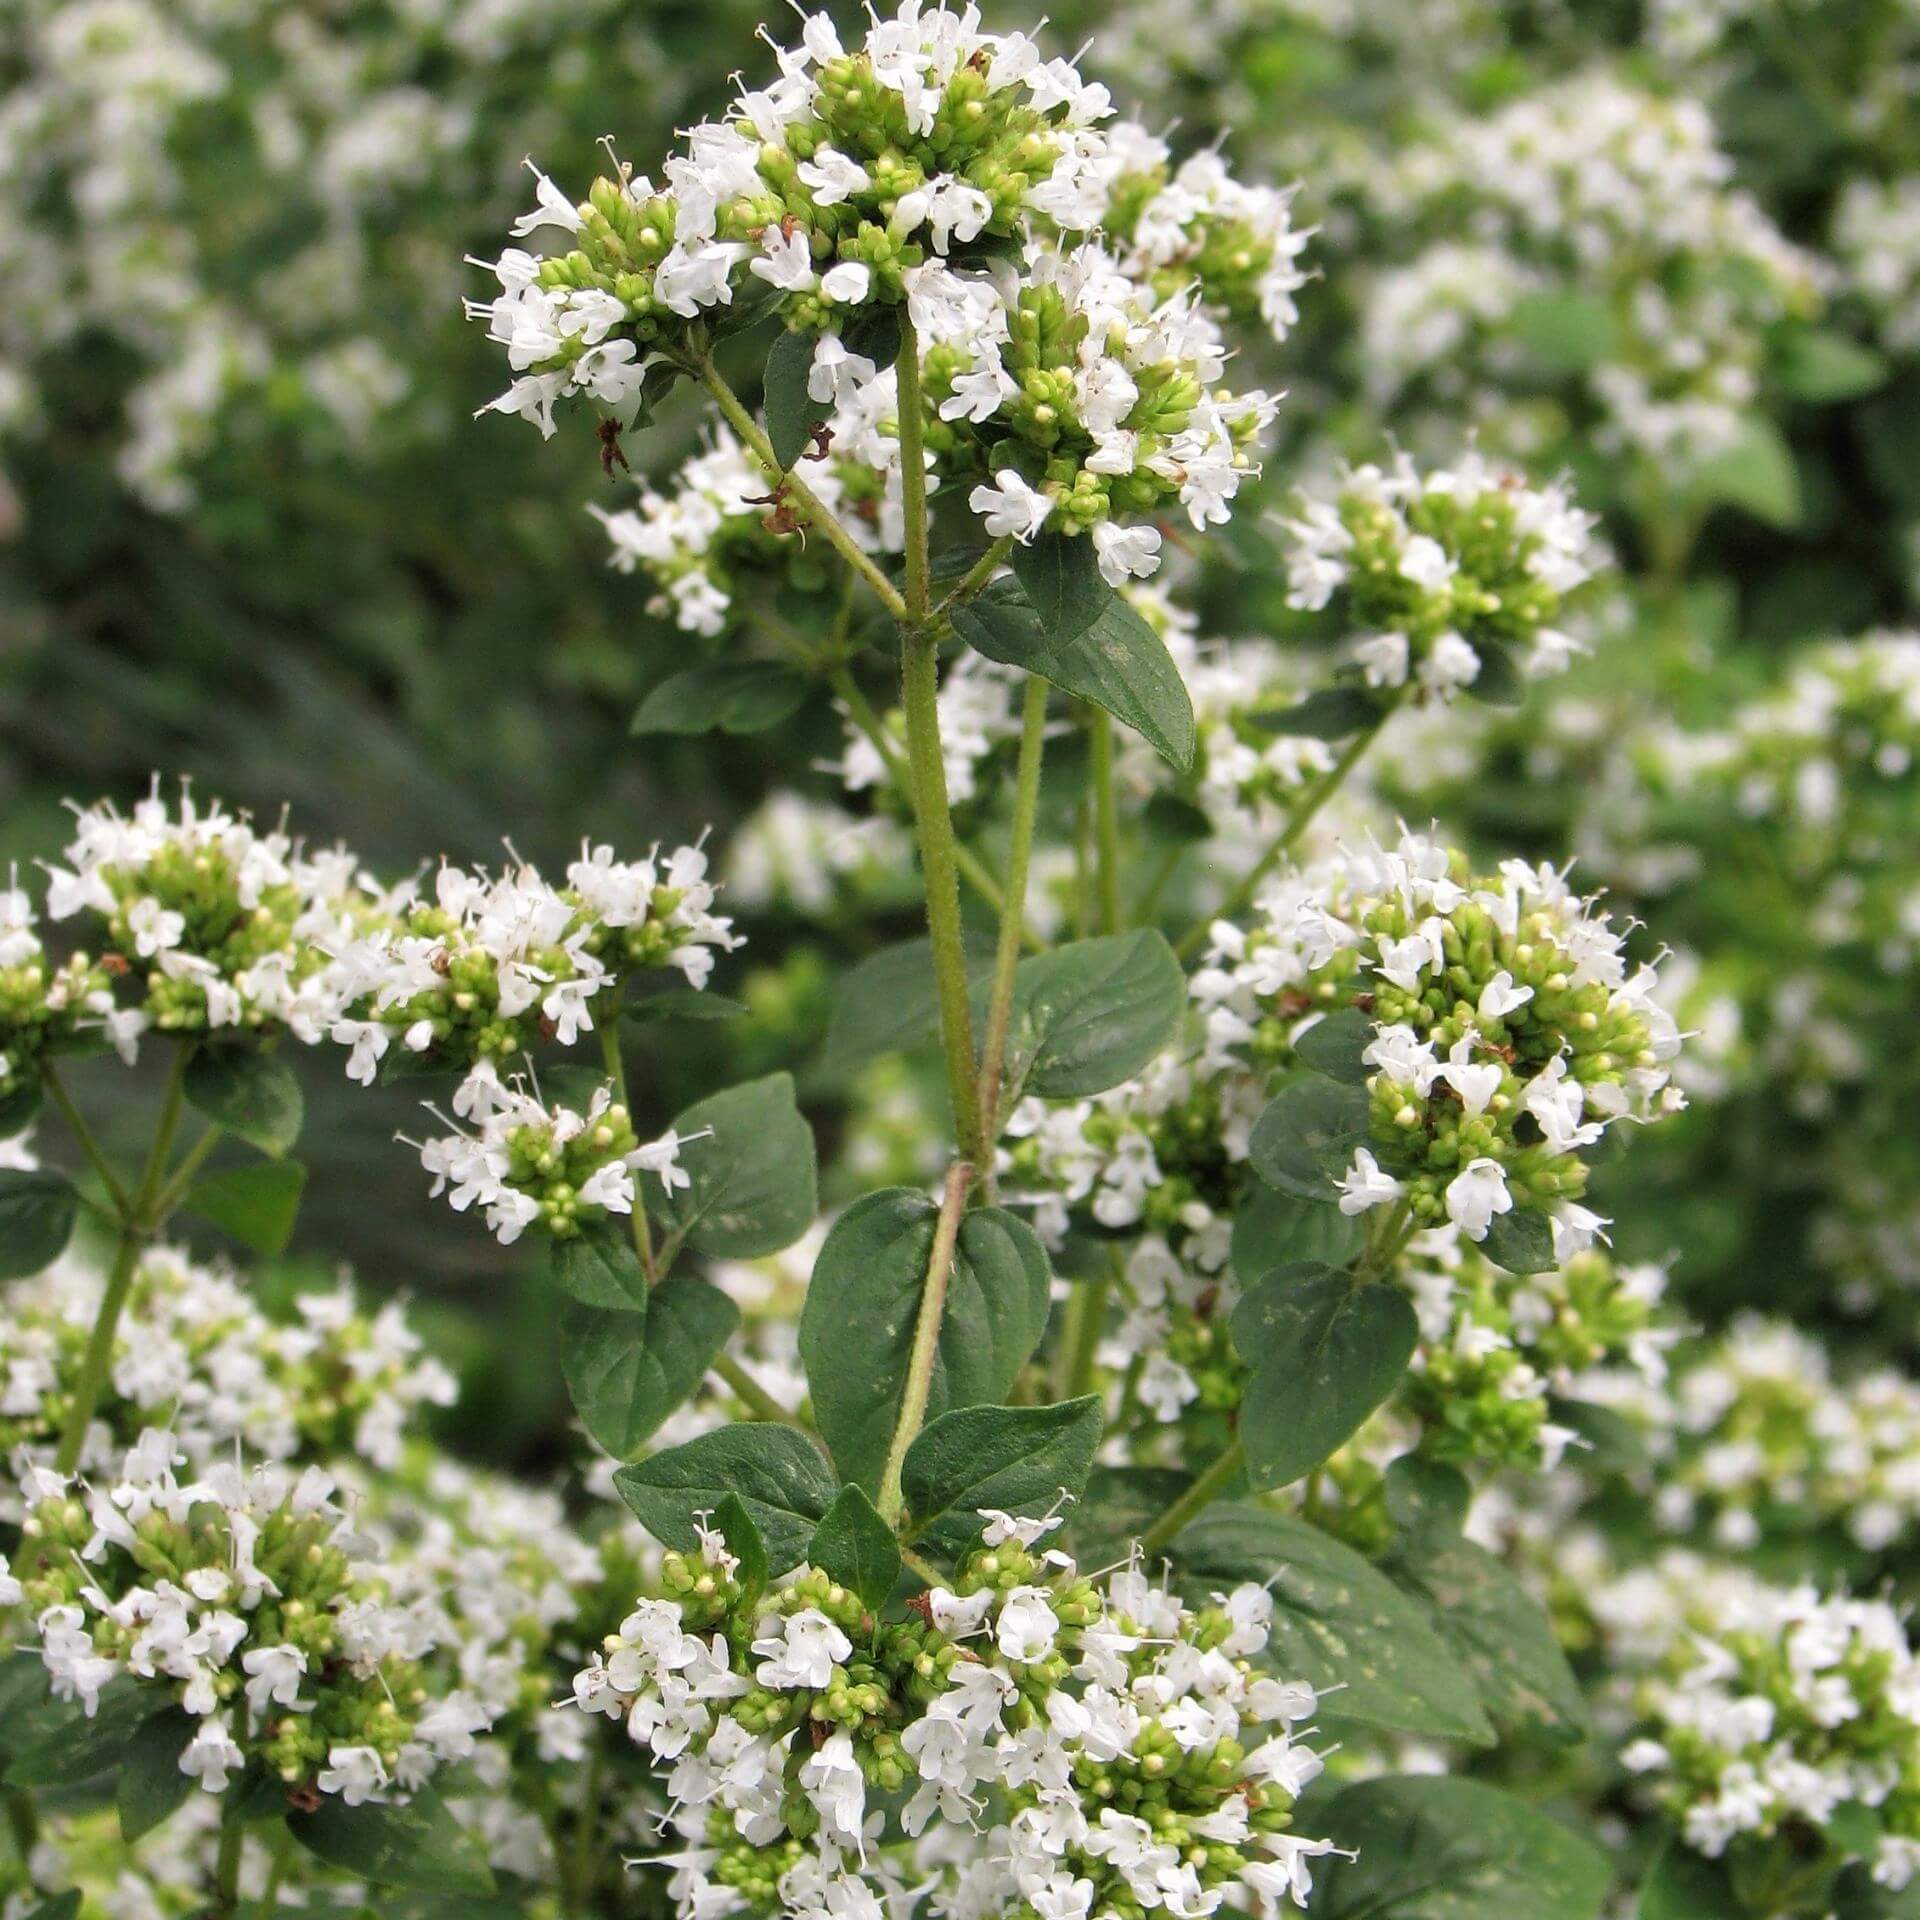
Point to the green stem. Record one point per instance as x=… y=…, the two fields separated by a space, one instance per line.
x=1302 y=816
x=977 y=575
x=23 y=1822
x=586 y=1835
x=279 y=1861
x=921 y=1567
x=137 y=1225
x=77 y=1125
x=1106 y=819
x=818 y=513
x=616 y=1066
x=859 y=708
x=191 y=1162
x=1086 y=1320
x=753 y=1395
x=926 y=1340
x=226 y=1869
x=1195 y=1500
x=1026 y=808
x=913 y=474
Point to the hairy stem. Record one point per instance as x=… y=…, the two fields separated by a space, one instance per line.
x=1106 y=819
x=977 y=575
x=926 y=1339
x=1195 y=1500
x=816 y=510
x=1026 y=806
x=753 y=1395
x=1304 y=811
x=913 y=474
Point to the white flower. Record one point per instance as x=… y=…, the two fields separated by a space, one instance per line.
x=1011 y=506
x=356 y=1774
x=1475 y=1194
x=802 y=1651
x=1027 y=1626
x=1363 y=1185
x=1126 y=553
x=211 y=1755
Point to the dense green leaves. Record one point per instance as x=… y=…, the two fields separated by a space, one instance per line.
x=1434 y=1848
x=777 y=1473
x=37 y=1212
x=1426 y=1495
x=863 y=1303
x=253 y=1095
x=627 y=1371
x=63 y=1906
x=1060 y=576
x=1680 y=1885
x=1092 y=1013
x=1117 y=662
x=79 y=1750
x=257 y=1205
x=857 y=1547
x=1521 y=1241
x=732 y=696
x=1271 y=1228
x=792 y=413
x=752 y=1184
x=599 y=1267
x=1495 y=1629
x=1338 y=1622
x=1324 y=1353
x=735 y=1525
x=1305 y=1139
x=1333 y=1046
x=1015 y=1459
x=416 y=1843
x=149 y=1786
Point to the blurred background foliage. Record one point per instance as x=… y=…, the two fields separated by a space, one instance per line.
x=249 y=533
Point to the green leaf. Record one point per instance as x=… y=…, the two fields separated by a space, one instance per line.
x=1014 y=1459
x=734 y=1524
x=682 y=1003
x=1118 y=662
x=1493 y=1627
x=1427 y=1496
x=1272 y=1228
x=416 y=1844
x=1563 y=333
x=889 y=1003
x=149 y=1786
x=1060 y=575
x=1680 y=1885
x=874 y=331
x=63 y=1906
x=1755 y=473
x=599 y=1267
x=1338 y=1622
x=251 y=1094
x=1333 y=1046
x=734 y=696
x=19 y=1108
x=1820 y=365
x=857 y=1547
x=863 y=1304
x=1323 y=1353
x=792 y=412
x=753 y=1185
x=1305 y=1139
x=1521 y=1241
x=82 y=1750
x=1437 y=1848
x=257 y=1205
x=626 y=1372
x=1327 y=713
x=37 y=1212
x=1093 y=1013
x=776 y=1472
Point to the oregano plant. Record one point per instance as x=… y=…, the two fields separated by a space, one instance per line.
x=1076 y=1443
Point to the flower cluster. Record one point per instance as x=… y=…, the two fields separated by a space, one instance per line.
x=213 y=924
x=194 y=1349
x=494 y=963
x=716 y=526
x=1134 y=1755
x=1077 y=373
x=1618 y=204
x=48 y=1006
x=237 y=1596
x=979 y=716
x=1497 y=1348
x=1785 y=1716
x=1502 y=1027
x=1444 y=576
x=526 y=1162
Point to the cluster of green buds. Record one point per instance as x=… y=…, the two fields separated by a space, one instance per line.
x=1478 y=1033
x=1449 y=578
x=47 y=1007
x=236 y=1597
